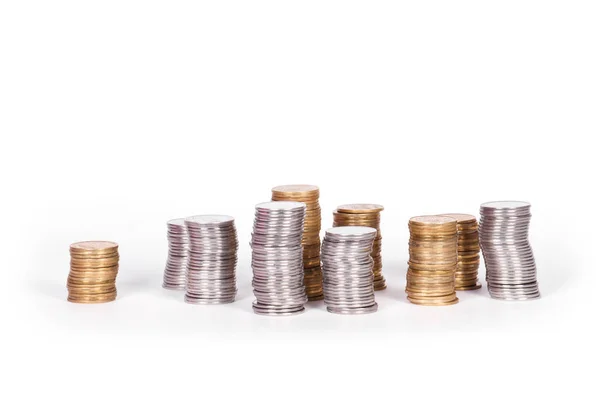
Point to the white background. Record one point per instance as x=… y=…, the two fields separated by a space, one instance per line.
x=119 y=115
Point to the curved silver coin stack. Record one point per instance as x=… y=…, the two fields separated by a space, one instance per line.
x=348 y=270
x=504 y=238
x=175 y=268
x=212 y=259
x=278 y=272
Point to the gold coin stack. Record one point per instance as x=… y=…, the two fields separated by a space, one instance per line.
x=432 y=261
x=466 y=277
x=311 y=240
x=94 y=267
x=364 y=215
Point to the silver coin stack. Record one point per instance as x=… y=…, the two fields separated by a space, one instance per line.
x=504 y=238
x=278 y=272
x=175 y=268
x=348 y=270
x=212 y=259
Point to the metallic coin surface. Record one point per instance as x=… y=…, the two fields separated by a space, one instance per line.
x=364 y=214
x=433 y=259
x=511 y=271
x=311 y=241
x=174 y=276
x=93 y=273
x=278 y=271
x=468 y=252
x=212 y=246
x=348 y=270
x=360 y=208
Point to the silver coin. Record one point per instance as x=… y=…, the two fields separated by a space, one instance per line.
x=278 y=272
x=212 y=259
x=511 y=271
x=348 y=270
x=174 y=277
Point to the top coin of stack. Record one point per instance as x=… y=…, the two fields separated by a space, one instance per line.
x=311 y=241
x=468 y=252
x=94 y=267
x=364 y=215
x=432 y=261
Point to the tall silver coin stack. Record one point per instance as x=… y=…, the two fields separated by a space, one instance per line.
x=504 y=238
x=212 y=259
x=175 y=268
x=348 y=270
x=277 y=267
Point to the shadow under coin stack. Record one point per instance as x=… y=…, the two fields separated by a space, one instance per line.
x=432 y=261
x=504 y=236
x=212 y=259
x=311 y=241
x=467 y=270
x=348 y=270
x=175 y=269
x=364 y=215
x=278 y=276
x=94 y=267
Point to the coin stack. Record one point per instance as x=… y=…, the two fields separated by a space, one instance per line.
x=212 y=259
x=94 y=267
x=175 y=268
x=432 y=261
x=364 y=215
x=467 y=270
x=278 y=273
x=504 y=235
x=348 y=270
x=311 y=242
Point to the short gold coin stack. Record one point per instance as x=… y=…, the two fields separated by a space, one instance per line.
x=311 y=240
x=432 y=261
x=364 y=215
x=467 y=270
x=94 y=267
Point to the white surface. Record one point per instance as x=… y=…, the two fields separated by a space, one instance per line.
x=117 y=116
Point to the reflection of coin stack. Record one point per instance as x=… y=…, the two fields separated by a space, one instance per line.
x=94 y=267
x=364 y=215
x=468 y=252
x=311 y=242
x=432 y=261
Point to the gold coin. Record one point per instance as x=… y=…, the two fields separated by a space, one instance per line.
x=94 y=246
x=290 y=190
x=360 y=208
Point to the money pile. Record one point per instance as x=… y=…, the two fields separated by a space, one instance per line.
x=364 y=215
x=504 y=235
x=432 y=261
x=175 y=268
x=94 y=267
x=212 y=259
x=348 y=270
x=467 y=270
x=311 y=242
x=278 y=278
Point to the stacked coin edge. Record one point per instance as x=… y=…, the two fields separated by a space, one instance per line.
x=311 y=242
x=93 y=272
x=365 y=215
